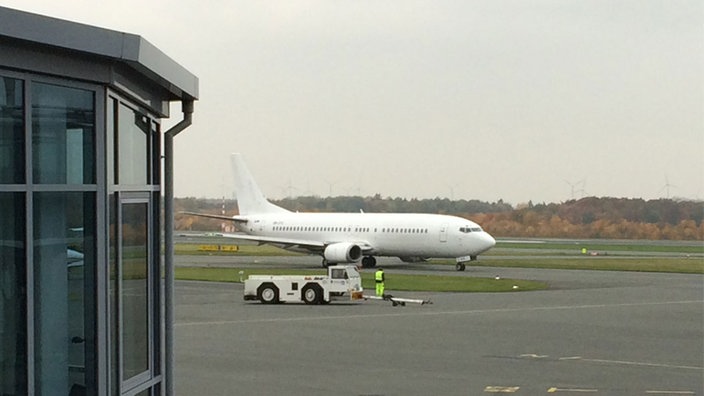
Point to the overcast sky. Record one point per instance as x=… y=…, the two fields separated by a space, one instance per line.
x=489 y=100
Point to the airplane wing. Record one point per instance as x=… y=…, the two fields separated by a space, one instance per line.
x=312 y=245
x=286 y=243
x=237 y=219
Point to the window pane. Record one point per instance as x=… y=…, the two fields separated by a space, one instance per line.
x=63 y=144
x=13 y=326
x=132 y=135
x=64 y=263
x=113 y=296
x=155 y=176
x=134 y=292
x=11 y=132
x=110 y=144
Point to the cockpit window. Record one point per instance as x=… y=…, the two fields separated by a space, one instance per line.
x=468 y=229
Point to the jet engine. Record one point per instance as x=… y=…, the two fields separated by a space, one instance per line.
x=342 y=252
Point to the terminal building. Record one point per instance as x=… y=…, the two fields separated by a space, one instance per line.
x=84 y=306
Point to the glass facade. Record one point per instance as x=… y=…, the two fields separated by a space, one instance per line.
x=64 y=271
x=132 y=146
x=63 y=137
x=11 y=131
x=134 y=294
x=133 y=150
x=80 y=208
x=90 y=179
x=13 y=301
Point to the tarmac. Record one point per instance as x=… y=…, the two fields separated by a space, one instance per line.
x=594 y=332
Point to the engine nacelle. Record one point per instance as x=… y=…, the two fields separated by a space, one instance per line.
x=343 y=252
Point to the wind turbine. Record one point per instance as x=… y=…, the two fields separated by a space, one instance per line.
x=667 y=186
x=576 y=184
x=330 y=184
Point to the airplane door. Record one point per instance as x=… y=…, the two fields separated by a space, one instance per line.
x=443 y=233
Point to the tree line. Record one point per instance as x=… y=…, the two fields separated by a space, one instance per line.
x=590 y=217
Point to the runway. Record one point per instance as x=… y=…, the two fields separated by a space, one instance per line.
x=602 y=333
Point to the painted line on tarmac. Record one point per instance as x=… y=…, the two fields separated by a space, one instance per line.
x=607 y=361
x=642 y=364
x=501 y=389
x=432 y=313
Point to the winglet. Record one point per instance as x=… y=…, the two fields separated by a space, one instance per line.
x=250 y=199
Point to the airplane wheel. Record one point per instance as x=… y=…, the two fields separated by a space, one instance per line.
x=369 y=262
x=325 y=263
x=312 y=294
x=460 y=266
x=268 y=293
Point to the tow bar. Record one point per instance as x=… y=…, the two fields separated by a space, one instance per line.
x=398 y=300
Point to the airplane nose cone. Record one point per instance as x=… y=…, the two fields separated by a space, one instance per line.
x=488 y=241
x=491 y=240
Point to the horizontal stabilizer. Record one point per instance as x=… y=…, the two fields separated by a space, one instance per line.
x=236 y=219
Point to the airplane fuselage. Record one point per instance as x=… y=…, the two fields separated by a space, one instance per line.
x=386 y=234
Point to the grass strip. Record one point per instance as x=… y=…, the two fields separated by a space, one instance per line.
x=644 y=264
x=576 y=246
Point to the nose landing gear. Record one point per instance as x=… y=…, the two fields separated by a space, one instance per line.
x=460 y=266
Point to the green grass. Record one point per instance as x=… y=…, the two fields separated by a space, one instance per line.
x=635 y=247
x=397 y=282
x=642 y=264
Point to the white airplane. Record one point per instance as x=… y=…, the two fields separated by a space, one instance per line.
x=351 y=237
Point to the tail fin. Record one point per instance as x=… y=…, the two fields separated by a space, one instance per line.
x=250 y=199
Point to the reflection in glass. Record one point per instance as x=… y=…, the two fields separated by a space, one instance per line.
x=113 y=285
x=13 y=326
x=64 y=262
x=134 y=296
x=63 y=125
x=133 y=131
x=11 y=131
x=110 y=144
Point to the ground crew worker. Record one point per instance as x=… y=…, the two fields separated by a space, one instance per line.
x=379 y=279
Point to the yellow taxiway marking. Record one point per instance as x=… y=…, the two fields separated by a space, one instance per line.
x=501 y=389
x=664 y=392
x=554 y=390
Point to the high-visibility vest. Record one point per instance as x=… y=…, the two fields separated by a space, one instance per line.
x=379 y=276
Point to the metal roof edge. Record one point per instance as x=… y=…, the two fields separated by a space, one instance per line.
x=129 y=48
